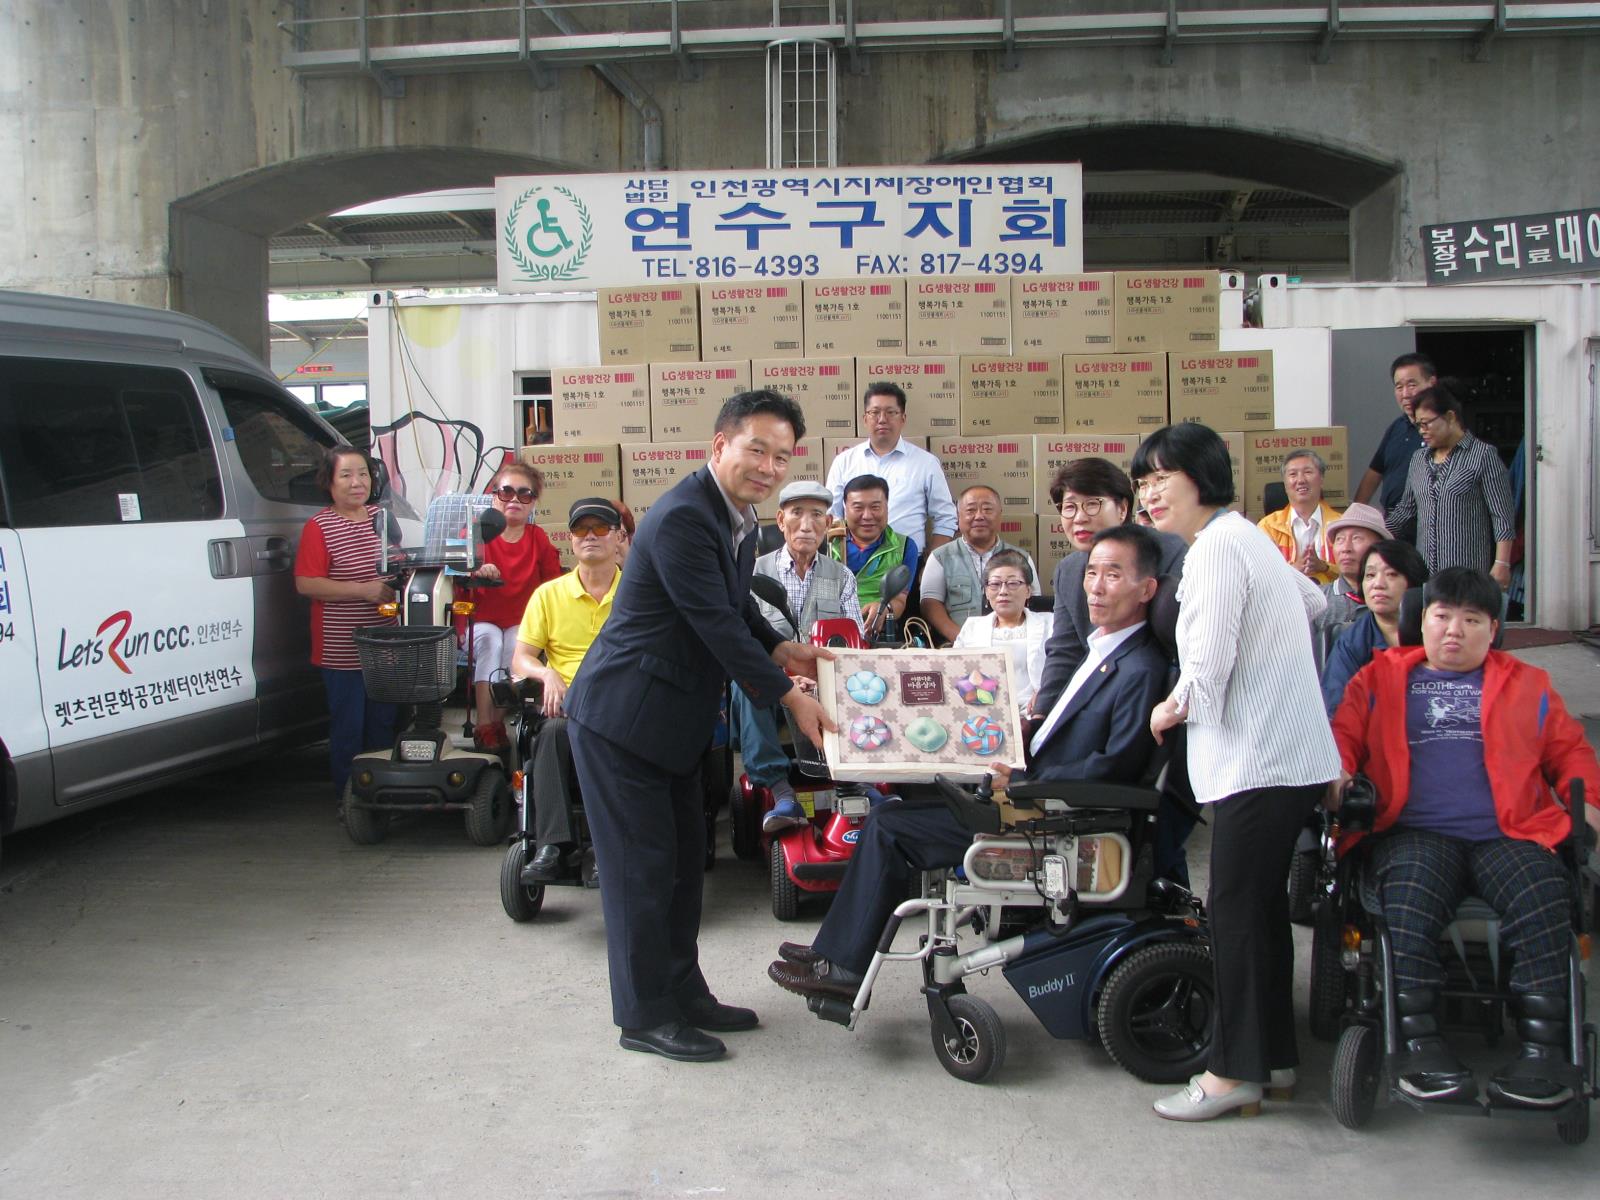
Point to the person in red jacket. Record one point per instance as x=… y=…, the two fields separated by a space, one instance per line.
x=1463 y=744
x=521 y=558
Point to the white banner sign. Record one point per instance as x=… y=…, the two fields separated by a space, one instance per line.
x=576 y=232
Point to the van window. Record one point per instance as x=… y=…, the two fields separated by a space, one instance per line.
x=279 y=445
x=103 y=443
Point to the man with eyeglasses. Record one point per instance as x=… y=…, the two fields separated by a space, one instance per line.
x=818 y=588
x=560 y=624
x=917 y=487
x=952 y=587
x=1412 y=373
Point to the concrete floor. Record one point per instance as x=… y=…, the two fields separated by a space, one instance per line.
x=210 y=991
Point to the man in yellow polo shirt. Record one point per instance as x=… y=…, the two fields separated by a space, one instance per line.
x=561 y=622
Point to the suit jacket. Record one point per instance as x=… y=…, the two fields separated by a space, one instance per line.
x=682 y=624
x=1105 y=731
x=1065 y=649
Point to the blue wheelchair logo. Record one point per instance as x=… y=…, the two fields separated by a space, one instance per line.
x=852 y=836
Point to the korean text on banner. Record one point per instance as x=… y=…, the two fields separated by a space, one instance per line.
x=576 y=232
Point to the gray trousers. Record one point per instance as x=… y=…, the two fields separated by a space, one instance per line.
x=554 y=784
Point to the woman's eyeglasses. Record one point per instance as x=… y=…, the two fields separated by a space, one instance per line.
x=1155 y=483
x=1089 y=508
x=508 y=493
x=1005 y=585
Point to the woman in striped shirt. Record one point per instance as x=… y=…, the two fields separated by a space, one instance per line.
x=1459 y=492
x=1260 y=755
x=336 y=566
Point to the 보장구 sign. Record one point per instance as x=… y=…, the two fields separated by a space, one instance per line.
x=1558 y=243
x=576 y=232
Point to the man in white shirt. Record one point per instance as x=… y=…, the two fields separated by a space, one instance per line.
x=1097 y=730
x=917 y=487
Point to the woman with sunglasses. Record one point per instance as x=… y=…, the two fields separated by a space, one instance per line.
x=1259 y=750
x=521 y=558
x=1007 y=584
x=1459 y=492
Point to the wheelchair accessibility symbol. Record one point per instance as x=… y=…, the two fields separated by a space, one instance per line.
x=538 y=235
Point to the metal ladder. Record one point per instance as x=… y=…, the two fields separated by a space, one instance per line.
x=802 y=114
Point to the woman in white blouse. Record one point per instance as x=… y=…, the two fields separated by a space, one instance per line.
x=1007 y=584
x=1260 y=756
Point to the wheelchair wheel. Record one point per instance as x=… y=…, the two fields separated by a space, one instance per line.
x=365 y=827
x=1155 y=1012
x=744 y=824
x=1303 y=870
x=980 y=1050
x=522 y=901
x=1353 y=1089
x=1327 y=973
x=785 y=896
x=491 y=812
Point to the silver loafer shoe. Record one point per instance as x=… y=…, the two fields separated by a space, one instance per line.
x=1192 y=1104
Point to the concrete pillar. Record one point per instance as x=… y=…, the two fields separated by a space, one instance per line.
x=219 y=273
x=1377 y=235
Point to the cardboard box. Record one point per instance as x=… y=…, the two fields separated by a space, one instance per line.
x=751 y=320
x=1062 y=314
x=651 y=469
x=561 y=537
x=932 y=387
x=1010 y=395
x=1004 y=463
x=1220 y=389
x=807 y=462
x=1054 y=545
x=1051 y=451
x=1021 y=529
x=958 y=316
x=850 y=316
x=1167 y=310
x=1235 y=443
x=600 y=404
x=1113 y=391
x=651 y=323
x=685 y=397
x=825 y=389
x=1263 y=464
x=571 y=473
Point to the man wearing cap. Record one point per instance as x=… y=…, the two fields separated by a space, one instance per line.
x=1350 y=537
x=818 y=588
x=643 y=708
x=561 y=621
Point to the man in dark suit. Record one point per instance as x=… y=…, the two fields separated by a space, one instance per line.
x=643 y=707
x=1098 y=729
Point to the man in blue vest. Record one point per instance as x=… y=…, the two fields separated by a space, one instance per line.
x=870 y=546
x=818 y=588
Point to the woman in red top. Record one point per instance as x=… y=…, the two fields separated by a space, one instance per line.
x=336 y=566
x=521 y=558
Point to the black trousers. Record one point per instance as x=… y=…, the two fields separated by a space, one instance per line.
x=1252 y=838
x=900 y=836
x=649 y=833
x=553 y=779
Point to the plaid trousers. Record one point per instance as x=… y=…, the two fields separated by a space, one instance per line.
x=1422 y=876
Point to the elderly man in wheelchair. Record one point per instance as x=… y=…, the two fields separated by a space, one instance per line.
x=1463 y=745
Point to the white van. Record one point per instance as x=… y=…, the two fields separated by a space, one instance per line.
x=154 y=478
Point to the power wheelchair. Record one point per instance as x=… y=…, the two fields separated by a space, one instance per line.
x=1353 y=998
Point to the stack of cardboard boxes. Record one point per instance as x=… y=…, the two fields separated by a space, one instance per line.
x=1005 y=379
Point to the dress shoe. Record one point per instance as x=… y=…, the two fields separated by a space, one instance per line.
x=677 y=1040
x=794 y=952
x=820 y=978
x=546 y=866
x=706 y=1013
x=1281 y=1085
x=1193 y=1104
x=783 y=816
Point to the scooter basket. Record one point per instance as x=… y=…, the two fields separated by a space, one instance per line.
x=407 y=664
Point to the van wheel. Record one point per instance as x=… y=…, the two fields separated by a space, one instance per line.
x=785 y=896
x=1155 y=1012
x=365 y=826
x=489 y=817
x=1303 y=869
